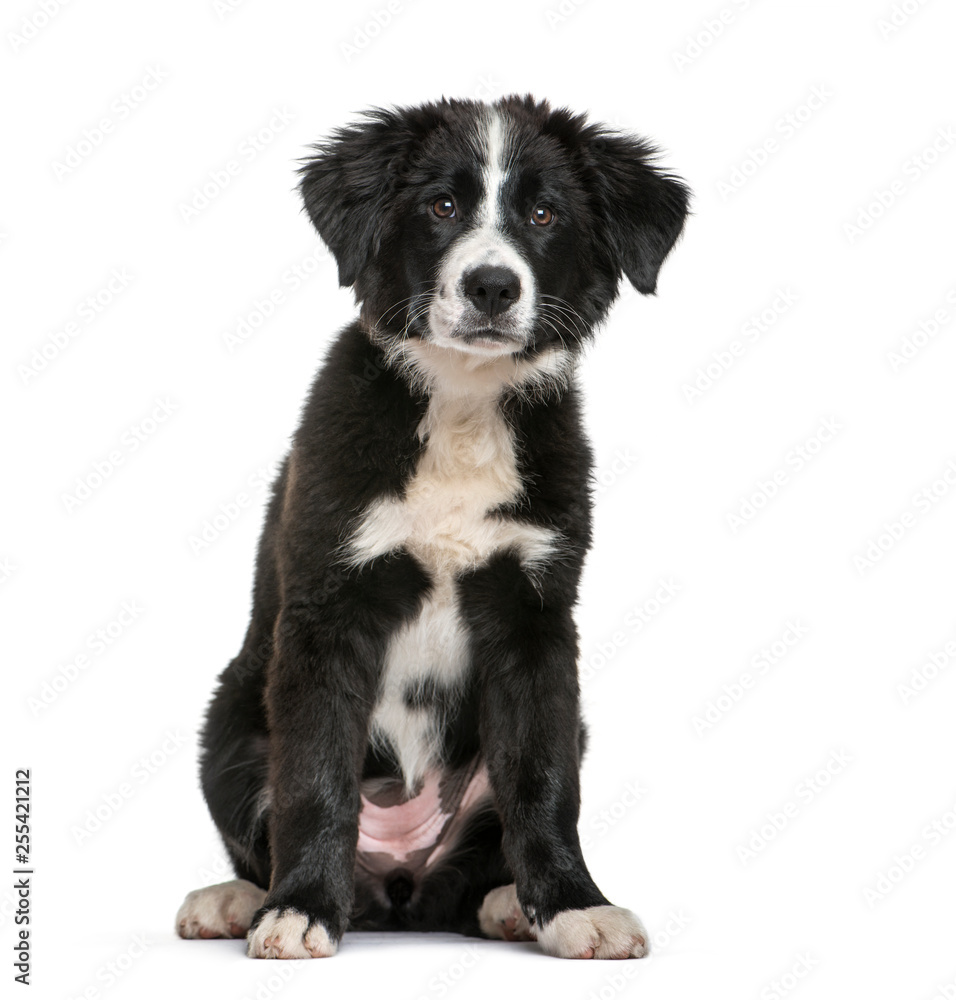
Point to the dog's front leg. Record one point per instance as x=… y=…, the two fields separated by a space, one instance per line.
x=525 y=647
x=319 y=694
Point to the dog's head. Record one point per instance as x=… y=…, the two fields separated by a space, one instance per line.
x=490 y=229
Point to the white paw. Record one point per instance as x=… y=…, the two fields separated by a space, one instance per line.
x=500 y=915
x=219 y=911
x=288 y=934
x=597 y=932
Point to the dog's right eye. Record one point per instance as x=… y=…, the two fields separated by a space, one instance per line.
x=444 y=208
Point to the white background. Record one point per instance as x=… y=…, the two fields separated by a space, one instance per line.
x=807 y=132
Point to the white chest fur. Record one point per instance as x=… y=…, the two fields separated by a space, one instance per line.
x=467 y=469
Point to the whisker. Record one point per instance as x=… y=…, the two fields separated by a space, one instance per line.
x=556 y=330
x=426 y=293
x=557 y=302
x=569 y=315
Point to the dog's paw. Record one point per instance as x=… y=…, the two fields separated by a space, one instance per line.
x=597 y=932
x=219 y=911
x=500 y=916
x=287 y=933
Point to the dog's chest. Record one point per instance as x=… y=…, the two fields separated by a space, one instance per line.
x=467 y=469
x=447 y=520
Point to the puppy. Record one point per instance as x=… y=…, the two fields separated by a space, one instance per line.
x=397 y=744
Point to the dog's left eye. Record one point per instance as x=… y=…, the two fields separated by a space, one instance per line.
x=542 y=216
x=444 y=208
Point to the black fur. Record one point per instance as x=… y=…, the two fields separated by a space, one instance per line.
x=291 y=712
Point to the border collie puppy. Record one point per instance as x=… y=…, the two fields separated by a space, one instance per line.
x=397 y=744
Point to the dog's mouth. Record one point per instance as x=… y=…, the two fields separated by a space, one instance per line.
x=450 y=325
x=488 y=337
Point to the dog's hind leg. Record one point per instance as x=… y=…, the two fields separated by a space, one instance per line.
x=233 y=775
x=235 y=741
x=234 y=771
x=219 y=911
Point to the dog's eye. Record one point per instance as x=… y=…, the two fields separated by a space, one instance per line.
x=542 y=216
x=444 y=208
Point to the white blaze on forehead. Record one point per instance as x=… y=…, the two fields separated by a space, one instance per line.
x=485 y=243
x=494 y=140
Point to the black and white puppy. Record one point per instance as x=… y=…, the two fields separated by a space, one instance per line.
x=397 y=744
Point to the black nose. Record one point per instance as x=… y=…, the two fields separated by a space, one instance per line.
x=492 y=290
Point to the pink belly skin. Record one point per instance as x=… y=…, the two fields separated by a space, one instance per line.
x=417 y=831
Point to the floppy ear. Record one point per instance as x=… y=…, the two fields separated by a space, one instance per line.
x=643 y=208
x=346 y=186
